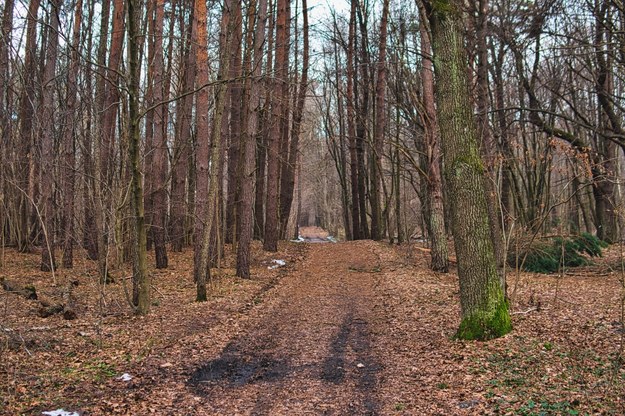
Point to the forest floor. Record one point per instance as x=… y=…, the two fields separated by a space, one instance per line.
x=354 y=328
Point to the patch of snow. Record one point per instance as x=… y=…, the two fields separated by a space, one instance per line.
x=331 y=239
x=277 y=263
x=60 y=412
x=299 y=239
x=125 y=377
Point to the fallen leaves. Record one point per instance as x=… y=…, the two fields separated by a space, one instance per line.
x=347 y=328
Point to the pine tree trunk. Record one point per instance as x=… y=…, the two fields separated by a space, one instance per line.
x=484 y=309
x=279 y=106
x=48 y=262
x=287 y=179
x=248 y=167
x=378 y=137
x=203 y=147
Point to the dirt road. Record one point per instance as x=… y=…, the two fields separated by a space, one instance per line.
x=354 y=328
x=310 y=351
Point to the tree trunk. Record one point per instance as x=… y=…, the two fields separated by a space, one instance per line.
x=182 y=142
x=69 y=146
x=210 y=185
x=26 y=112
x=48 y=262
x=203 y=147
x=484 y=308
x=6 y=97
x=248 y=167
x=279 y=106
x=351 y=129
x=378 y=137
x=140 y=278
x=159 y=180
x=435 y=209
x=287 y=179
x=361 y=120
x=264 y=131
x=236 y=146
x=489 y=145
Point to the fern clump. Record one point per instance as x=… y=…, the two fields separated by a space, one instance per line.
x=543 y=257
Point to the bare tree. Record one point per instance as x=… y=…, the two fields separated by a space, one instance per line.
x=484 y=308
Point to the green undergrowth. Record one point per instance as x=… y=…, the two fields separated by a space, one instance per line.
x=549 y=257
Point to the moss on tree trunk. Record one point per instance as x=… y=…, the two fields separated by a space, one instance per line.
x=484 y=309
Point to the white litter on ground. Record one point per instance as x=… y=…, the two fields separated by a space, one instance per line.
x=125 y=377
x=299 y=239
x=60 y=412
x=277 y=263
x=332 y=239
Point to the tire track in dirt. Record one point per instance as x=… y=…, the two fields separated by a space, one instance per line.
x=309 y=351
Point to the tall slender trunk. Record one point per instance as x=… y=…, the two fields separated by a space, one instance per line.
x=94 y=235
x=203 y=145
x=279 y=106
x=140 y=278
x=159 y=180
x=262 y=140
x=434 y=189
x=288 y=177
x=182 y=142
x=247 y=179
x=69 y=145
x=6 y=98
x=362 y=116
x=48 y=262
x=351 y=128
x=211 y=212
x=6 y=121
x=489 y=145
x=235 y=148
x=378 y=137
x=111 y=94
x=26 y=112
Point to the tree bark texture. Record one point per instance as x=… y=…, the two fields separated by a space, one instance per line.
x=378 y=137
x=287 y=180
x=248 y=165
x=140 y=277
x=48 y=262
x=484 y=309
x=279 y=106
x=436 y=209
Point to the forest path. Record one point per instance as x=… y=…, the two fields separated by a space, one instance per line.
x=309 y=351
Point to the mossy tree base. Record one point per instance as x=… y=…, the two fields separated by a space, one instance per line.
x=482 y=326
